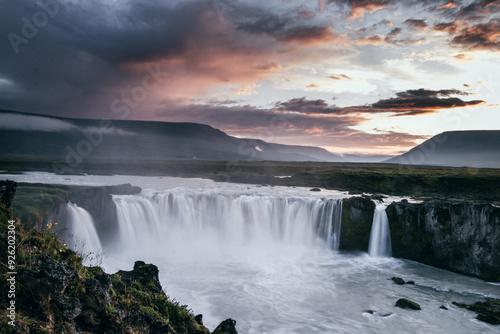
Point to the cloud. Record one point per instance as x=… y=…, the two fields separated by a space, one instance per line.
x=422 y=101
x=450 y=27
x=359 y=8
x=479 y=8
x=11 y=121
x=245 y=89
x=298 y=121
x=286 y=30
x=416 y=24
x=339 y=77
x=483 y=36
x=408 y=103
x=448 y=5
x=371 y=40
x=463 y=58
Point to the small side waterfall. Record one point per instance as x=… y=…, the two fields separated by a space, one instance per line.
x=82 y=236
x=380 y=236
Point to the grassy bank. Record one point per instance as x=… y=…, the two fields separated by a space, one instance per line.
x=421 y=181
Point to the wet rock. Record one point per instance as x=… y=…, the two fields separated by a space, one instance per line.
x=357 y=217
x=70 y=307
x=460 y=236
x=410 y=282
x=314 y=189
x=488 y=311
x=406 y=303
x=398 y=280
x=124 y=189
x=443 y=307
x=228 y=326
x=199 y=319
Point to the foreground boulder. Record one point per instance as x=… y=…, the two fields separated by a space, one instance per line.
x=406 y=303
x=488 y=311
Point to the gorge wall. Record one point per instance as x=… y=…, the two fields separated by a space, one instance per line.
x=460 y=236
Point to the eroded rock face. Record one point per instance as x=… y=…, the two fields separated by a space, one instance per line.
x=55 y=296
x=460 y=236
x=357 y=217
x=228 y=326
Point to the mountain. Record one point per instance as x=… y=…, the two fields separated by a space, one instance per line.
x=31 y=136
x=480 y=149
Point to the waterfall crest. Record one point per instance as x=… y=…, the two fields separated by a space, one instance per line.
x=83 y=237
x=153 y=220
x=380 y=236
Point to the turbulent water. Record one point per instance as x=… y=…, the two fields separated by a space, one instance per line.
x=266 y=257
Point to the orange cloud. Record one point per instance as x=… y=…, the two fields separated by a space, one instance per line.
x=359 y=8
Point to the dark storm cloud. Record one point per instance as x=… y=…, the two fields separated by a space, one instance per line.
x=422 y=101
x=483 y=36
x=75 y=60
x=408 y=103
x=284 y=29
x=480 y=8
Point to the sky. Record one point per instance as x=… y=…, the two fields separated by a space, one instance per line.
x=351 y=76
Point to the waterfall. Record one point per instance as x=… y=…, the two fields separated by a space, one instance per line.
x=82 y=236
x=153 y=221
x=380 y=236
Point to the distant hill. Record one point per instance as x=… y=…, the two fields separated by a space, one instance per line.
x=72 y=140
x=456 y=149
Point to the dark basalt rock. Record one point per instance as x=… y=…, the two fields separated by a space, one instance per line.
x=199 y=319
x=314 y=189
x=406 y=303
x=357 y=217
x=398 y=280
x=443 y=307
x=228 y=326
x=7 y=192
x=124 y=189
x=488 y=311
x=459 y=236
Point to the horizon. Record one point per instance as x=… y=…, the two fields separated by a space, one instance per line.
x=350 y=76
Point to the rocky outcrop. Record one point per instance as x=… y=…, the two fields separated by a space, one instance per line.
x=7 y=192
x=459 y=236
x=488 y=311
x=357 y=217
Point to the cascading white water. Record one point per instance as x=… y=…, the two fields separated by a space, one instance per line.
x=380 y=236
x=272 y=285
x=82 y=236
x=188 y=219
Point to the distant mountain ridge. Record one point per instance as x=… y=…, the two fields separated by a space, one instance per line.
x=25 y=135
x=480 y=149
